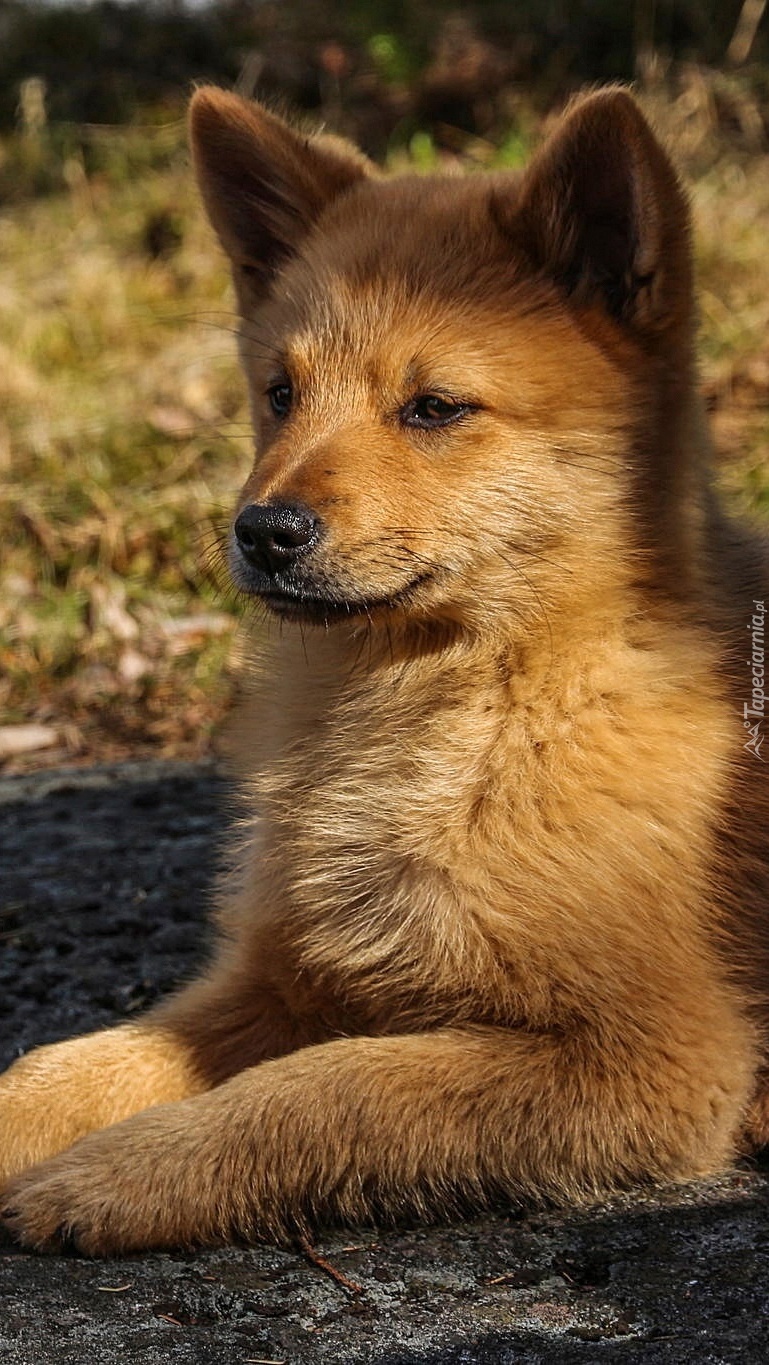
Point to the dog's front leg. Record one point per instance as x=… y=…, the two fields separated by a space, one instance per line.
x=397 y=1125
x=57 y=1094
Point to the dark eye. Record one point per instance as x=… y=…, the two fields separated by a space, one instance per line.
x=431 y=410
x=281 y=397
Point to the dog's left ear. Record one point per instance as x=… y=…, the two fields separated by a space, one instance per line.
x=263 y=182
x=601 y=212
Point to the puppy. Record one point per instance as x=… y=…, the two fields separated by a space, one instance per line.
x=497 y=925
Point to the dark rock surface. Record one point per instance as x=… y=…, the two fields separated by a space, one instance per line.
x=103 y=887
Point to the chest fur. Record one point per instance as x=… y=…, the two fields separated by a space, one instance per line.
x=452 y=823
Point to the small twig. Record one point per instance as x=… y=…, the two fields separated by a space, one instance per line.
x=308 y=1250
x=113 y=1288
x=751 y=14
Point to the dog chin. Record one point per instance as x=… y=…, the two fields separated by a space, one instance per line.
x=316 y=605
x=309 y=608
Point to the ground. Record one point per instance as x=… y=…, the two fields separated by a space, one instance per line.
x=103 y=891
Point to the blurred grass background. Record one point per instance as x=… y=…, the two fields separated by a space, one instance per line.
x=123 y=426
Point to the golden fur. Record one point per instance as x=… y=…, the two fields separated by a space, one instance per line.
x=499 y=927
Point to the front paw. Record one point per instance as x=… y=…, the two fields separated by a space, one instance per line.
x=73 y=1202
x=42 y=1110
x=44 y=1209
x=127 y=1188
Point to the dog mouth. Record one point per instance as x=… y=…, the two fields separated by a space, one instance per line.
x=297 y=602
x=268 y=562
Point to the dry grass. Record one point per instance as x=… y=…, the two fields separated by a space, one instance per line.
x=123 y=429
x=122 y=435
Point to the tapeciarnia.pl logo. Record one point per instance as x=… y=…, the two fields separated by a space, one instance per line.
x=753 y=711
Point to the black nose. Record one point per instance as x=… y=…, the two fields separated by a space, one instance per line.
x=272 y=536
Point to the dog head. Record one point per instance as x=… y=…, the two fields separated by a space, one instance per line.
x=458 y=384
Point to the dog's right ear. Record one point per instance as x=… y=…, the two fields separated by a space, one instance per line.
x=263 y=183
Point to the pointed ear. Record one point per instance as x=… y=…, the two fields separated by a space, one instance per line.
x=602 y=213
x=263 y=183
